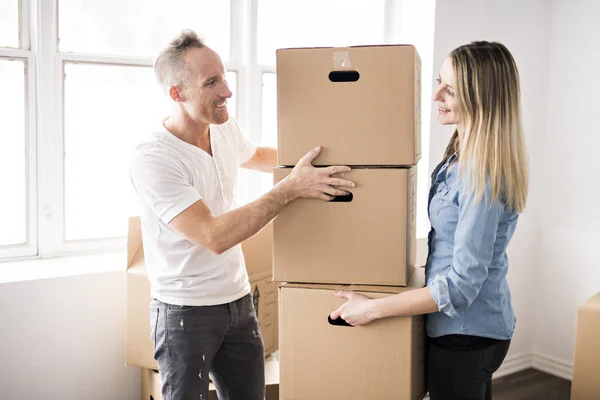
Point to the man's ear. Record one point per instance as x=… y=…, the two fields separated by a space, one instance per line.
x=176 y=94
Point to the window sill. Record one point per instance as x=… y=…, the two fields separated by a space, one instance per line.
x=44 y=268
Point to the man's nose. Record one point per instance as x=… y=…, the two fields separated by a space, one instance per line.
x=226 y=92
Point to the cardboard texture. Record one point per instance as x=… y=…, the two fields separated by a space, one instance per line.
x=151 y=383
x=374 y=120
x=370 y=240
x=257 y=250
x=586 y=367
x=382 y=360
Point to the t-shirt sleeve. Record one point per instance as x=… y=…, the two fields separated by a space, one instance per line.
x=161 y=184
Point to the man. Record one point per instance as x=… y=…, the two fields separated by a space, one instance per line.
x=202 y=315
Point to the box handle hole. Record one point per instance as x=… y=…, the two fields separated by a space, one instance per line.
x=344 y=76
x=337 y=322
x=342 y=199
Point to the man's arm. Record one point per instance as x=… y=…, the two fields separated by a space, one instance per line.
x=264 y=160
x=218 y=234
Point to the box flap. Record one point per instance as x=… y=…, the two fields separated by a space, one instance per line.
x=344 y=47
x=592 y=303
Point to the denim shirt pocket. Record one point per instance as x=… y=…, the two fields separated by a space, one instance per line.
x=444 y=194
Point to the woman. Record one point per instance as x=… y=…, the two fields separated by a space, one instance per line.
x=476 y=195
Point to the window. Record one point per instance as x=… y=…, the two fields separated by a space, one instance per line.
x=332 y=23
x=18 y=209
x=13 y=158
x=9 y=24
x=78 y=92
x=139 y=28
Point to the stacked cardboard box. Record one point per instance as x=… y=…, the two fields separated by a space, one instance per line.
x=586 y=367
x=257 y=254
x=362 y=105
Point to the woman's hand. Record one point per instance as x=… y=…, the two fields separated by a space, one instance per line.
x=358 y=310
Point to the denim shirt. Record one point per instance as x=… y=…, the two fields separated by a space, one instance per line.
x=467 y=262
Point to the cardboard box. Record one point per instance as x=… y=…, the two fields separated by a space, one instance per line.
x=370 y=240
x=152 y=385
x=586 y=367
x=381 y=360
x=372 y=119
x=257 y=250
x=258 y=253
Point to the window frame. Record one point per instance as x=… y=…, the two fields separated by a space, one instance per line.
x=45 y=136
x=27 y=56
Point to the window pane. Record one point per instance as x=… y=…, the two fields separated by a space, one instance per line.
x=269 y=122
x=317 y=23
x=140 y=28
x=9 y=23
x=13 y=181
x=108 y=110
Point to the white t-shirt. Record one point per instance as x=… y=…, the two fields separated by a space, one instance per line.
x=169 y=175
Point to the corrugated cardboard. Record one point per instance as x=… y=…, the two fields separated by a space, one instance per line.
x=375 y=120
x=381 y=360
x=257 y=250
x=151 y=383
x=370 y=240
x=586 y=368
x=266 y=305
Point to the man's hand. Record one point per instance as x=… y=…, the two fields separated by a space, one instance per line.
x=358 y=310
x=309 y=182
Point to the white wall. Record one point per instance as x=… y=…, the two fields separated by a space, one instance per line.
x=568 y=251
x=64 y=338
x=524 y=28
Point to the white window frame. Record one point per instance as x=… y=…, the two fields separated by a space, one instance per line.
x=27 y=56
x=45 y=114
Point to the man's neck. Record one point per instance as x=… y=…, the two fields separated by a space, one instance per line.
x=193 y=132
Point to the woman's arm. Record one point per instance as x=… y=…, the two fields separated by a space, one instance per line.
x=474 y=242
x=360 y=310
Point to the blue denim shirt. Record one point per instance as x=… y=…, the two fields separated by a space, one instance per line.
x=467 y=262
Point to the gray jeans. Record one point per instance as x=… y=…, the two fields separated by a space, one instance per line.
x=191 y=342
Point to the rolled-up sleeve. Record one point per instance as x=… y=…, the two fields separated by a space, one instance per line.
x=474 y=242
x=161 y=185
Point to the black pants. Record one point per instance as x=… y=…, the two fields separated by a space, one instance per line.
x=460 y=367
x=224 y=341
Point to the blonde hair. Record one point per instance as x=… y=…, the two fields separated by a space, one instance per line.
x=169 y=67
x=492 y=147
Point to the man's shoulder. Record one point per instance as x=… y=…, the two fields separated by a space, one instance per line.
x=156 y=144
x=155 y=149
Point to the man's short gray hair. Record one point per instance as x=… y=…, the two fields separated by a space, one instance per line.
x=170 y=68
